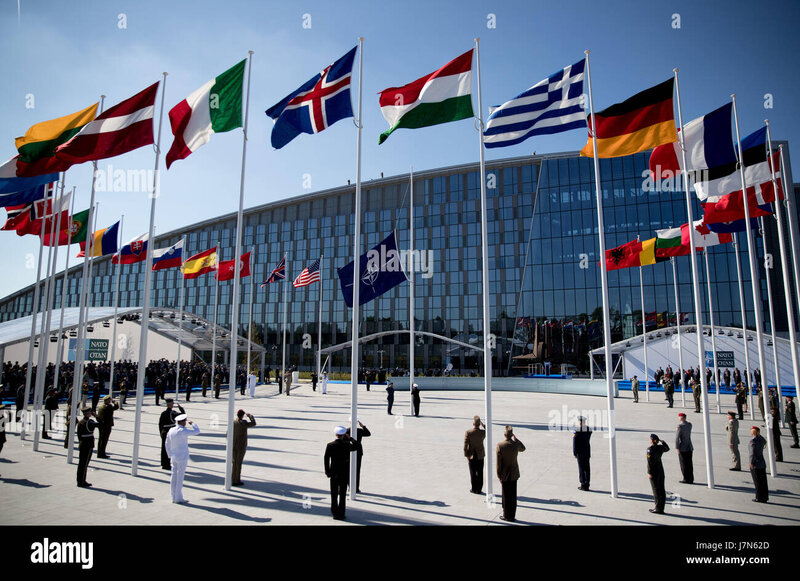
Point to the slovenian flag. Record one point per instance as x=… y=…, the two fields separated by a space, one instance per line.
x=171 y=257
x=133 y=252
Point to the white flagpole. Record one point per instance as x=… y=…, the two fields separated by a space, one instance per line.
x=713 y=334
x=678 y=323
x=214 y=325
x=60 y=344
x=748 y=375
x=286 y=271
x=319 y=322
x=612 y=440
x=411 y=322
x=487 y=343
x=698 y=307
x=765 y=383
x=116 y=308
x=354 y=358
x=789 y=190
x=757 y=302
x=148 y=277
x=644 y=335
x=250 y=319
x=237 y=258
x=180 y=326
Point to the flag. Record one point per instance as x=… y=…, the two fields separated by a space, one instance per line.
x=278 y=273
x=379 y=270
x=550 y=106
x=23 y=198
x=226 y=268
x=29 y=218
x=37 y=147
x=104 y=242
x=634 y=253
x=642 y=122
x=73 y=230
x=199 y=264
x=729 y=227
x=309 y=275
x=440 y=97
x=215 y=107
x=15 y=190
x=14 y=215
x=171 y=257
x=133 y=252
x=669 y=242
x=709 y=146
x=319 y=103
x=122 y=128
x=703 y=239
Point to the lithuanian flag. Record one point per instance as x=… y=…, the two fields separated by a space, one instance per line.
x=634 y=253
x=642 y=122
x=202 y=263
x=37 y=147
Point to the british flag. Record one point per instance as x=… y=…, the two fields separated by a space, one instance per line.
x=278 y=274
x=318 y=104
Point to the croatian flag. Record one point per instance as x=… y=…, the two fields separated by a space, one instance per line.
x=318 y=104
x=133 y=252
x=171 y=257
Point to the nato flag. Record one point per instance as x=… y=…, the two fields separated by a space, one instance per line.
x=381 y=270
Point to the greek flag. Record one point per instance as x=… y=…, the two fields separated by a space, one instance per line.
x=550 y=106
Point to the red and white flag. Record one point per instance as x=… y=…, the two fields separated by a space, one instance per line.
x=226 y=268
x=703 y=237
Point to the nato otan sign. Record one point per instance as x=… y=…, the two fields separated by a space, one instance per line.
x=724 y=359
x=95 y=350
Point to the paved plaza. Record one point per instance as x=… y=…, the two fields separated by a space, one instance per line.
x=414 y=471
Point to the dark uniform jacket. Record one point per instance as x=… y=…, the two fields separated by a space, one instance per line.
x=580 y=442
x=105 y=413
x=757 y=452
x=167 y=419
x=473 y=444
x=654 y=453
x=791 y=414
x=337 y=458
x=507 y=466
x=683 y=437
x=86 y=431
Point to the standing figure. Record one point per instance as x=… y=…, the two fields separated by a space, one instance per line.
x=4 y=418
x=475 y=454
x=217 y=385
x=287 y=380
x=741 y=399
x=314 y=380
x=240 y=427
x=337 y=468
x=790 y=415
x=177 y=444
x=683 y=444
x=726 y=376
x=86 y=428
x=105 y=413
x=50 y=409
x=776 y=434
x=390 y=396
x=582 y=451
x=508 y=472
x=733 y=441
x=655 y=472
x=758 y=466
x=324 y=382
x=205 y=382
x=635 y=389
x=669 y=390
x=166 y=422
x=760 y=398
x=697 y=391
x=252 y=380
x=361 y=432
x=415 y=398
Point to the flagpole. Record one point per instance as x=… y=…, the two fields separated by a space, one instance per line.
x=116 y=309
x=771 y=323
x=789 y=191
x=748 y=376
x=214 y=325
x=60 y=344
x=250 y=319
x=785 y=257
x=283 y=340
x=678 y=323
x=354 y=358
x=180 y=326
x=612 y=441
x=412 y=327
x=757 y=303
x=148 y=277
x=234 y=336
x=644 y=335
x=713 y=334
x=698 y=308
x=319 y=322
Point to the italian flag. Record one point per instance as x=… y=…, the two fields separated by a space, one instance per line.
x=440 y=97
x=215 y=107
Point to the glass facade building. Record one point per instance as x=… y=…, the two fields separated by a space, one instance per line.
x=543 y=265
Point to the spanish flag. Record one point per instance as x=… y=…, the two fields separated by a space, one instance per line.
x=202 y=263
x=634 y=253
x=642 y=122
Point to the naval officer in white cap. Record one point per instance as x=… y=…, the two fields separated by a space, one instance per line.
x=177 y=446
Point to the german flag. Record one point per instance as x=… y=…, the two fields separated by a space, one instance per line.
x=643 y=122
x=634 y=253
x=202 y=263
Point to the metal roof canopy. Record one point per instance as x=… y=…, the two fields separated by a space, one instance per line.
x=193 y=331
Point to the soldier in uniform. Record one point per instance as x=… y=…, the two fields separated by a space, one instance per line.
x=790 y=415
x=314 y=380
x=683 y=444
x=205 y=382
x=758 y=466
x=50 y=408
x=105 y=414
x=86 y=428
x=508 y=472
x=217 y=385
x=727 y=377
x=697 y=391
x=337 y=468
x=776 y=434
x=582 y=450
x=475 y=453
x=166 y=422
x=635 y=389
x=390 y=396
x=741 y=399
x=415 y=399
x=361 y=432
x=287 y=380
x=4 y=417
x=655 y=472
x=669 y=390
x=733 y=441
x=240 y=427
x=177 y=445
x=324 y=382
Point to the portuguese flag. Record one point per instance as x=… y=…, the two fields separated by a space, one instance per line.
x=74 y=232
x=215 y=107
x=669 y=242
x=642 y=122
x=440 y=97
x=38 y=146
x=634 y=253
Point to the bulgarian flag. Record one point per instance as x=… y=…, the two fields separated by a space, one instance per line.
x=440 y=97
x=669 y=242
x=215 y=107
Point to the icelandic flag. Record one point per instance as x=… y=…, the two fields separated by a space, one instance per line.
x=133 y=252
x=318 y=104
x=380 y=270
x=550 y=106
x=171 y=257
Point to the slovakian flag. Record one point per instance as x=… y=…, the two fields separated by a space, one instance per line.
x=380 y=270
x=133 y=252
x=278 y=273
x=171 y=257
x=319 y=103
x=200 y=264
x=226 y=268
x=309 y=275
x=642 y=122
x=105 y=241
x=72 y=230
x=15 y=190
x=120 y=129
x=216 y=107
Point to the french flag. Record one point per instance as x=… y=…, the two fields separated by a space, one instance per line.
x=171 y=257
x=133 y=252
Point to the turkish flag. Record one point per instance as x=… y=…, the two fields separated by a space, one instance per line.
x=226 y=271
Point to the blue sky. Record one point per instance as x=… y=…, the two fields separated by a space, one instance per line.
x=65 y=54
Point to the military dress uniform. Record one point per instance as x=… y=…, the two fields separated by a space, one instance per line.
x=361 y=432
x=508 y=474
x=733 y=441
x=790 y=415
x=475 y=453
x=655 y=470
x=683 y=444
x=758 y=468
x=337 y=468
x=105 y=414
x=240 y=427
x=166 y=422
x=390 y=397
x=697 y=391
x=741 y=399
x=582 y=450
x=86 y=428
x=635 y=389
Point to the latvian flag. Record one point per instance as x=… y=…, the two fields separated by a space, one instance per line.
x=309 y=275
x=133 y=252
x=440 y=97
x=171 y=257
x=279 y=273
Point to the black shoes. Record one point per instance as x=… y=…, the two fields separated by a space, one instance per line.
x=735 y=469
x=654 y=511
x=238 y=484
x=84 y=484
x=507 y=519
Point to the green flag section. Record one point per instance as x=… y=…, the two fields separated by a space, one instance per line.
x=440 y=97
x=73 y=233
x=215 y=107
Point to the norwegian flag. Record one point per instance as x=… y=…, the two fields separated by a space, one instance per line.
x=278 y=274
x=309 y=275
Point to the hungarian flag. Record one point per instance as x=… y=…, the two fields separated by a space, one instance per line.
x=215 y=107
x=72 y=231
x=105 y=241
x=669 y=242
x=440 y=97
x=122 y=128
x=634 y=253
x=642 y=122
x=226 y=268
x=38 y=146
x=171 y=257
x=199 y=264
x=133 y=252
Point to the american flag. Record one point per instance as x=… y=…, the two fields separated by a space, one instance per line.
x=310 y=274
x=278 y=274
